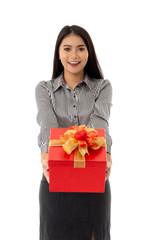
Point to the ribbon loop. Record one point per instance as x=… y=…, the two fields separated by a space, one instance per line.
x=79 y=138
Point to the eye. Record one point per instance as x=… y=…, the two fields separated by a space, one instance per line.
x=81 y=49
x=67 y=49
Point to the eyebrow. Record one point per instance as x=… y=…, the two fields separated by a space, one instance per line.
x=81 y=45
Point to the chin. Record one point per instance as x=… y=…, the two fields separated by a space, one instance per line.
x=76 y=71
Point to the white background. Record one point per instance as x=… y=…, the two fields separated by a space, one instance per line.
x=127 y=41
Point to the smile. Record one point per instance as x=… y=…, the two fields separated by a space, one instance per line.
x=74 y=64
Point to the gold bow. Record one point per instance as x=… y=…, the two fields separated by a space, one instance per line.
x=79 y=139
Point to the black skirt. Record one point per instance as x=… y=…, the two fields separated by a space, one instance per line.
x=73 y=216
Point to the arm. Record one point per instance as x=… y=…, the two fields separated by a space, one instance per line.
x=46 y=117
x=101 y=112
x=100 y=118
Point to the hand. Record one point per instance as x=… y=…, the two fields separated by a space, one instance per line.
x=44 y=161
x=109 y=164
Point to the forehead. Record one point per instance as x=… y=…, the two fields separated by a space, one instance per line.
x=73 y=40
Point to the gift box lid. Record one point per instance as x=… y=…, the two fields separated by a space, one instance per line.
x=58 y=157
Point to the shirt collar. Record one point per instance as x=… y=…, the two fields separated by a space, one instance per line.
x=88 y=81
x=59 y=82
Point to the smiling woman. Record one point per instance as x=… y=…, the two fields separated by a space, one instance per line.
x=76 y=95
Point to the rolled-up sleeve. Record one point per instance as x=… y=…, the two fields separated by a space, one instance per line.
x=46 y=117
x=99 y=119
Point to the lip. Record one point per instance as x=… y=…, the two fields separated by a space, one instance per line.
x=74 y=64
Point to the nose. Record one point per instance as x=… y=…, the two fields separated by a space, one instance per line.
x=74 y=54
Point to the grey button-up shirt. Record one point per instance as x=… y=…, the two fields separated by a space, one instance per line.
x=60 y=107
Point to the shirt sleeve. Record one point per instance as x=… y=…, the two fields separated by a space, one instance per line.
x=99 y=119
x=46 y=117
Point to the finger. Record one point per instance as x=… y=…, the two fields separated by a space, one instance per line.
x=44 y=161
x=47 y=179
x=46 y=174
x=107 y=175
x=44 y=166
x=109 y=164
x=108 y=171
x=47 y=166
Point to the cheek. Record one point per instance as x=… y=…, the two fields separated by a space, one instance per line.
x=62 y=56
x=85 y=58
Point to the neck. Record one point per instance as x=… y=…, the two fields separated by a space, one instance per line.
x=73 y=79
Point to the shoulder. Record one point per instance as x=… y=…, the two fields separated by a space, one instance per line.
x=102 y=89
x=97 y=83
x=100 y=85
x=43 y=86
x=103 y=83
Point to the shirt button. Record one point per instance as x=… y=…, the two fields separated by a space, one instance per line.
x=74 y=105
x=74 y=95
x=75 y=116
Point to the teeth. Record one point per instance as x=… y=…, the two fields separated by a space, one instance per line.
x=73 y=62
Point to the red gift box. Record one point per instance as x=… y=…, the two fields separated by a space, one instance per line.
x=63 y=177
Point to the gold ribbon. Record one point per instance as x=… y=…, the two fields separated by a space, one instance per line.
x=79 y=139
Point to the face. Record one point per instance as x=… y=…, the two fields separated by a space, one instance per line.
x=73 y=54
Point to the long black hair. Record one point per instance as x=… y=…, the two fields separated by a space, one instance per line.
x=92 y=67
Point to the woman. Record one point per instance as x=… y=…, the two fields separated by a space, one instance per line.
x=77 y=94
